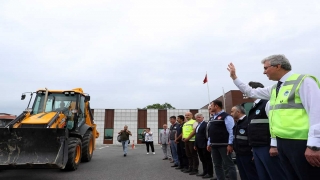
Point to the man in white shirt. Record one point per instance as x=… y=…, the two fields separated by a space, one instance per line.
x=293 y=115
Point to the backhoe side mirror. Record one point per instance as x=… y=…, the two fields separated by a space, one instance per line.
x=23 y=96
x=87 y=98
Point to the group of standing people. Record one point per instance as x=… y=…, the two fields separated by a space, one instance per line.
x=279 y=139
x=185 y=142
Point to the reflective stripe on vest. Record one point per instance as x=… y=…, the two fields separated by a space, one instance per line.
x=218 y=144
x=187 y=129
x=288 y=118
x=259 y=121
x=241 y=137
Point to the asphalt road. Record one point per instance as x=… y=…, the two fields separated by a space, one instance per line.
x=108 y=163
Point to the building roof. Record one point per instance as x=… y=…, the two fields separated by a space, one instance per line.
x=7 y=116
x=232 y=97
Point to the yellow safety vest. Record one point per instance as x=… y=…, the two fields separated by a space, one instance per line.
x=287 y=116
x=187 y=129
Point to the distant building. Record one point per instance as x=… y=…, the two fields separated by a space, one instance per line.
x=6 y=118
x=111 y=121
x=232 y=98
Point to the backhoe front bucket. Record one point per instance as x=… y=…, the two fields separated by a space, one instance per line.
x=23 y=148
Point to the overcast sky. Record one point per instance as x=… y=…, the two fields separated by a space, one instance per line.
x=129 y=54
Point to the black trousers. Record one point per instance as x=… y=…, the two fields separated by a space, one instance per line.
x=182 y=155
x=247 y=168
x=192 y=155
x=205 y=158
x=296 y=166
x=150 y=143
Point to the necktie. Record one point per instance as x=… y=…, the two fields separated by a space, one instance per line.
x=165 y=131
x=278 y=87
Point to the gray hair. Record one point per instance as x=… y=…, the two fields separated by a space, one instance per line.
x=240 y=108
x=198 y=114
x=278 y=59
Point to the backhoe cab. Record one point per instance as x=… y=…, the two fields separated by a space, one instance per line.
x=56 y=132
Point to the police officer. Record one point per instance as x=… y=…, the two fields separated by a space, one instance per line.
x=294 y=116
x=244 y=156
x=268 y=165
x=220 y=132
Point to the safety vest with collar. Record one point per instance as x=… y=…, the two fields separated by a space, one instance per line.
x=288 y=118
x=187 y=129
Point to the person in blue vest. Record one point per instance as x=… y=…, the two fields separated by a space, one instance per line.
x=266 y=157
x=220 y=141
x=294 y=117
x=181 y=149
x=172 y=136
x=244 y=156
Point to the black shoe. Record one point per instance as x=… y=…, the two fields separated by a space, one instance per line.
x=175 y=165
x=200 y=174
x=179 y=167
x=207 y=176
x=164 y=158
x=214 y=178
x=187 y=171
x=193 y=172
x=125 y=155
x=184 y=169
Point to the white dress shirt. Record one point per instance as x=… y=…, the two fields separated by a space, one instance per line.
x=199 y=126
x=310 y=95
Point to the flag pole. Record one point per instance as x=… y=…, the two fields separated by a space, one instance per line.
x=224 y=100
x=206 y=81
x=208 y=89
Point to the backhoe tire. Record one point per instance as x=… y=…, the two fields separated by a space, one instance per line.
x=87 y=146
x=74 y=154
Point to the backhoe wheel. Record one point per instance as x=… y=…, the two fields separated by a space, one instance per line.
x=87 y=146
x=74 y=154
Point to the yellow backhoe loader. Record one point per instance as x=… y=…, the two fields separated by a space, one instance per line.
x=58 y=131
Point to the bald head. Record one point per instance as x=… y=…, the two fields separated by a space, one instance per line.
x=188 y=115
x=237 y=112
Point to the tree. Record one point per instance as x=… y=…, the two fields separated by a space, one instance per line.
x=160 y=106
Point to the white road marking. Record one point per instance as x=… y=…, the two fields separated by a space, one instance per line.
x=103 y=147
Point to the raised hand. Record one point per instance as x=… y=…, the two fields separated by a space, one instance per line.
x=232 y=71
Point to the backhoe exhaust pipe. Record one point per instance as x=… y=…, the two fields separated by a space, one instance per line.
x=45 y=101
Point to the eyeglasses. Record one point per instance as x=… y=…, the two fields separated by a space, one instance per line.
x=265 y=68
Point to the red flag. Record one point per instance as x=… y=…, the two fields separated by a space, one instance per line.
x=205 y=80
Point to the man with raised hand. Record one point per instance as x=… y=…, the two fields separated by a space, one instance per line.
x=293 y=116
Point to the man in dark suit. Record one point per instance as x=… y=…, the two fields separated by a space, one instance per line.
x=200 y=145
